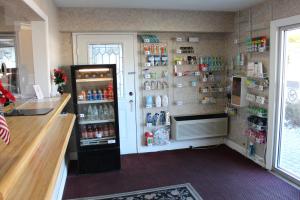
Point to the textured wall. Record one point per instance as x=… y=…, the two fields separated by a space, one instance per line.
x=261 y=16
x=99 y=19
x=50 y=10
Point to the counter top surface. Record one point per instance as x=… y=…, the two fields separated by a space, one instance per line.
x=26 y=132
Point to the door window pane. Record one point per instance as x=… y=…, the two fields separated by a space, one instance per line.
x=289 y=141
x=109 y=54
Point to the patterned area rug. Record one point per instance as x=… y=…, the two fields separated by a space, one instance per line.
x=173 y=192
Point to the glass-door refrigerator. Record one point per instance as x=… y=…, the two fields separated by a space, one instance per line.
x=96 y=106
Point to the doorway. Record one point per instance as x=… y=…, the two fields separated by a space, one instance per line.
x=287 y=148
x=119 y=49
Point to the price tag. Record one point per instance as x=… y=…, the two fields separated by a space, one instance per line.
x=81 y=115
x=178 y=51
x=147 y=40
x=111 y=141
x=80 y=97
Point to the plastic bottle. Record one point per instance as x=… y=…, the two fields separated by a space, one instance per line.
x=100 y=94
x=105 y=94
x=83 y=132
x=105 y=131
x=100 y=112
x=95 y=113
x=105 y=112
x=83 y=93
x=111 y=112
x=90 y=113
x=111 y=130
x=95 y=94
x=89 y=95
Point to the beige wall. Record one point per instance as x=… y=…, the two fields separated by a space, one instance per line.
x=99 y=19
x=25 y=60
x=261 y=16
x=51 y=11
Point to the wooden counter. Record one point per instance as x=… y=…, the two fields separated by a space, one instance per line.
x=37 y=142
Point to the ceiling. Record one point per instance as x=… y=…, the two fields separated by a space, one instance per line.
x=203 y=5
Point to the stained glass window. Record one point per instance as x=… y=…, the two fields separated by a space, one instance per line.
x=109 y=54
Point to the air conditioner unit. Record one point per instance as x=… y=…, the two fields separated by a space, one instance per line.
x=199 y=126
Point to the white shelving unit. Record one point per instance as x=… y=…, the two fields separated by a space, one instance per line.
x=154 y=81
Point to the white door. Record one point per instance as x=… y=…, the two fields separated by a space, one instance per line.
x=116 y=49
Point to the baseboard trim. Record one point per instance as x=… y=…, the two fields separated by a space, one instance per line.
x=233 y=145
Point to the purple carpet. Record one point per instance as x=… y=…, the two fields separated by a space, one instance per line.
x=218 y=173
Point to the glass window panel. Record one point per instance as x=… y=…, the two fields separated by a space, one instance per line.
x=109 y=54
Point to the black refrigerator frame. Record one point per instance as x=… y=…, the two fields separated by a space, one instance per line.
x=100 y=157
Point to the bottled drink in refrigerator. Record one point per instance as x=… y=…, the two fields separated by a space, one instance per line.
x=105 y=94
x=105 y=131
x=90 y=113
x=100 y=96
x=95 y=113
x=90 y=132
x=111 y=112
x=101 y=133
x=98 y=132
x=105 y=112
x=89 y=95
x=111 y=130
x=83 y=132
x=100 y=112
x=95 y=94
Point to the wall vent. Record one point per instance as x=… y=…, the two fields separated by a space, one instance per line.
x=199 y=126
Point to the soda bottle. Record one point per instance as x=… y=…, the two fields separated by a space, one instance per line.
x=89 y=132
x=83 y=94
x=111 y=130
x=105 y=131
x=83 y=132
x=100 y=94
x=89 y=95
x=95 y=94
x=105 y=94
x=101 y=134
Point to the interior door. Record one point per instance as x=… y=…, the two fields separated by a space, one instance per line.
x=288 y=141
x=114 y=49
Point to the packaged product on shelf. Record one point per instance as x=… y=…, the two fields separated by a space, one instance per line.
x=155 y=119
x=148 y=120
x=168 y=118
x=158 y=101
x=165 y=101
x=162 y=136
x=149 y=102
x=148 y=138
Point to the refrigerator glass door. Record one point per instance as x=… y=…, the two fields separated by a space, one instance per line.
x=95 y=106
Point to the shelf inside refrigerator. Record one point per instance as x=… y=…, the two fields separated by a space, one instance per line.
x=93 y=80
x=82 y=122
x=95 y=101
x=98 y=141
